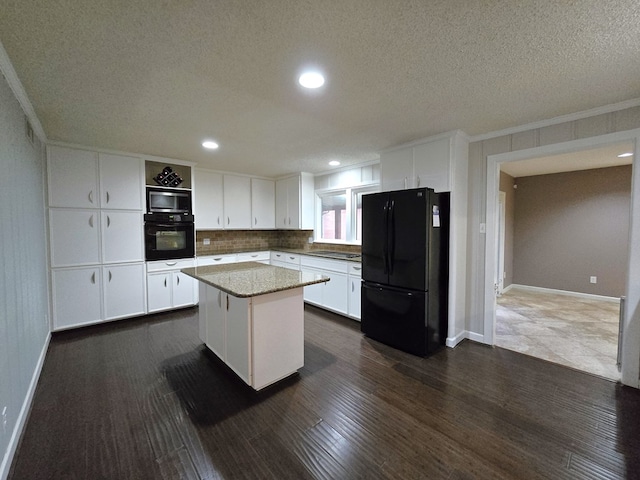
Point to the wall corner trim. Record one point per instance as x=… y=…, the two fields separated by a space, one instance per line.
x=453 y=341
x=5 y=466
x=6 y=67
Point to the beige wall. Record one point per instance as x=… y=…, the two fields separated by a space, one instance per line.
x=506 y=185
x=621 y=120
x=571 y=226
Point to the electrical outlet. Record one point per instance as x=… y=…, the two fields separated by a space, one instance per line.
x=310 y=239
x=206 y=241
x=593 y=279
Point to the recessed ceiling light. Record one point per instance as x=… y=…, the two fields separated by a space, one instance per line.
x=311 y=80
x=210 y=144
x=334 y=163
x=627 y=154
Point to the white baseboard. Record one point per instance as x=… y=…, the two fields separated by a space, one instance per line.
x=476 y=337
x=506 y=289
x=564 y=292
x=24 y=411
x=453 y=341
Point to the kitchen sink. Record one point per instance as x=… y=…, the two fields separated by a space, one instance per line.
x=329 y=253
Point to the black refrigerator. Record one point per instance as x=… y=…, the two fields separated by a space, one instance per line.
x=405 y=269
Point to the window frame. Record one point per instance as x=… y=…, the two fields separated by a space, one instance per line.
x=351 y=202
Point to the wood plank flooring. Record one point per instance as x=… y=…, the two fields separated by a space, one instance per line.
x=143 y=399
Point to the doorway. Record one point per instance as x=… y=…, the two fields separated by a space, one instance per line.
x=556 y=157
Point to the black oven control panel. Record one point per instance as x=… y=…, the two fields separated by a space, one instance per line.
x=168 y=218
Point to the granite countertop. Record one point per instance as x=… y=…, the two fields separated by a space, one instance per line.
x=249 y=279
x=321 y=253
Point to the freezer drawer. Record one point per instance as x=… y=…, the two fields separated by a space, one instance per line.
x=396 y=318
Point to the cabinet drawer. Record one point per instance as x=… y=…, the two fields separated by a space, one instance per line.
x=253 y=256
x=160 y=265
x=290 y=258
x=324 y=264
x=215 y=260
x=355 y=269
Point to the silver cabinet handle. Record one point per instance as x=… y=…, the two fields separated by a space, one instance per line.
x=357 y=268
x=93 y=278
x=254 y=256
x=284 y=220
x=292 y=258
x=170 y=264
x=91 y=196
x=91 y=221
x=352 y=286
x=108 y=221
x=177 y=279
x=107 y=197
x=165 y=282
x=255 y=220
x=217 y=259
x=110 y=275
x=218 y=219
x=227 y=303
x=278 y=255
x=227 y=220
x=289 y=220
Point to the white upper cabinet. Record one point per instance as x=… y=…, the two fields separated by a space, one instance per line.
x=237 y=202
x=425 y=164
x=121 y=237
x=294 y=202
x=73 y=178
x=208 y=198
x=74 y=236
x=121 y=181
x=263 y=201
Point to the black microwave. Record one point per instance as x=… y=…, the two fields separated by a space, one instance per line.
x=160 y=200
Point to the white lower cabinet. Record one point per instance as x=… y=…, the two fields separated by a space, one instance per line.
x=286 y=260
x=260 y=338
x=355 y=290
x=76 y=297
x=167 y=287
x=332 y=294
x=87 y=295
x=123 y=287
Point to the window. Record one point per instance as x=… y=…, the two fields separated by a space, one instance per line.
x=340 y=214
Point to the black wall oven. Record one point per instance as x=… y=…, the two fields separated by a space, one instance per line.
x=168 y=236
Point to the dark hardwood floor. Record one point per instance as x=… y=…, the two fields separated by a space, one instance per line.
x=143 y=399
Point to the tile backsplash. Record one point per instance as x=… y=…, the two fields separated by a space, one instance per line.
x=228 y=241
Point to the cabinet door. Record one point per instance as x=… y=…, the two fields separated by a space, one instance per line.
x=216 y=308
x=396 y=170
x=263 y=203
x=354 y=295
x=313 y=293
x=183 y=289
x=121 y=180
x=123 y=290
x=76 y=297
x=122 y=239
x=238 y=340
x=334 y=295
x=282 y=203
x=74 y=236
x=237 y=202
x=293 y=202
x=158 y=291
x=73 y=178
x=208 y=198
x=431 y=165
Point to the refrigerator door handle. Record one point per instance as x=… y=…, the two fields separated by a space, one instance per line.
x=391 y=251
x=385 y=245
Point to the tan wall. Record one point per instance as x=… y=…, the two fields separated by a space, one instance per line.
x=571 y=226
x=594 y=126
x=506 y=186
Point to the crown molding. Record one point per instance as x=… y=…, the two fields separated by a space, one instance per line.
x=6 y=67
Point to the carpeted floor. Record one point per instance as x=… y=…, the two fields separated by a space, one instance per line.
x=577 y=332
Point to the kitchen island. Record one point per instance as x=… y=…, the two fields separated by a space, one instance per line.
x=252 y=318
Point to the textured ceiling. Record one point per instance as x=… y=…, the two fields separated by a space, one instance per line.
x=157 y=77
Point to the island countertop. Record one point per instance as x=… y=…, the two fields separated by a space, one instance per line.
x=249 y=279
